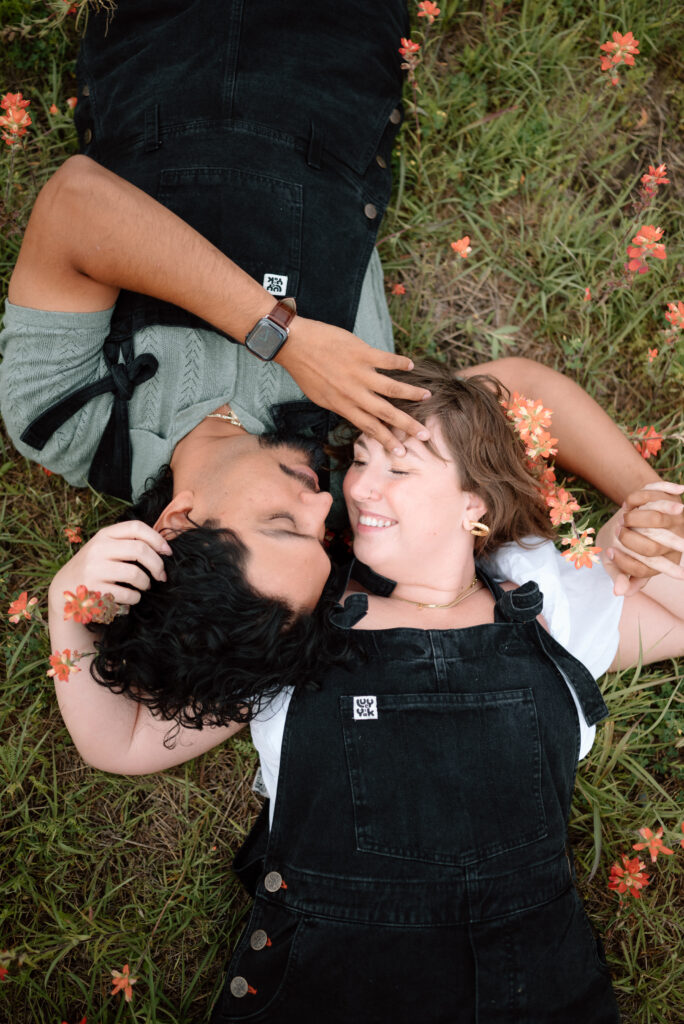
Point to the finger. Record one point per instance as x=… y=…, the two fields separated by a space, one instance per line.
x=123 y=595
x=122 y=551
x=389 y=360
x=641 y=544
x=652 y=495
x=665 y=485
x=127 y=573
x=134 y=529
x=654 y=518
x=379 y=432
x=628 y=565
x=398 y=389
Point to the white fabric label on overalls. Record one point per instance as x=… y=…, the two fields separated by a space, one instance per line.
x=365 y=707
x=276 y=284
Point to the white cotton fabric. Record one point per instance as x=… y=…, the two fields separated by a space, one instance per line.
x=580 y=610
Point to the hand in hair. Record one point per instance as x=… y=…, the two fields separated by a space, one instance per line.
x=119 y=560
x=646 y=537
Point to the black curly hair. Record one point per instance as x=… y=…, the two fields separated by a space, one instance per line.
x=204 y=647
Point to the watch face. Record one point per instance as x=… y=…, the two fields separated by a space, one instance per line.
x=265 y=339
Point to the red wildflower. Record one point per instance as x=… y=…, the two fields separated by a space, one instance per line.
x=63 y=663
x=622 y=49
x=462 y=247
x=72 y=101
x=21 y=608
x=54 y=109
x=408 y=47
x=83 y=1021
x=123 y=982
x=428 y=10
x=89 y=606
x=13 y=99
x=73 y=534
x=650 y=443
x=398 y=289
x=562 y=505
x=3 y=972
x=652 y=353
x=654 y=178
x=587 y=295
x=582 y=551
x=631 y=877
x=681 y=841
x=15 y=120
x=675 y=314
x=646 y=243
x=654 y=843
x=48 y=472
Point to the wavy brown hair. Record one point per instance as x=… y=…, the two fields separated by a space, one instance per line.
x=489 y=454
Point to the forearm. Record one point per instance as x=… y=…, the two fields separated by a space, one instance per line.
x=92 y=233
x=590 y=444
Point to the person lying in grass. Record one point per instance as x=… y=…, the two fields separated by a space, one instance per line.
x=421 y=766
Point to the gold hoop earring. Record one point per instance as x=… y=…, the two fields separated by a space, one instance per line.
x=477 y=528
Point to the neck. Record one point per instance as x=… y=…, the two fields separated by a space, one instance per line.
x=436 y=591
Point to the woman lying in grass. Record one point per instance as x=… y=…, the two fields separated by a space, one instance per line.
x=412 y=862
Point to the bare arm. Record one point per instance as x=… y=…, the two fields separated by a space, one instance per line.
x=92 y=233
x=111 y=731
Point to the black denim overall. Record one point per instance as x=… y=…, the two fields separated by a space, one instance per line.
x=268 y=126
x=417 y=871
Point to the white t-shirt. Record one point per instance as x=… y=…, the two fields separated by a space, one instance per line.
x=580 y=610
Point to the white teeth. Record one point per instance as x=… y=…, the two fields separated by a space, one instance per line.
x=374 y=521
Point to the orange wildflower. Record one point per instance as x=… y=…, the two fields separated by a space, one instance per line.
x=15 y=121
x=54 y=109
x=587 y=295
x=123 y=982
x=650 y=444
x=582 y=552
x=89 y=606
x=72 y=101
x=561 y=505
x=21 y=608
x=63 y=663
x=646 y=243
x=631 y=877
x=398 y=289
x=654 y=843
x=675 y=314
x=462 y=247
x=622 y=49
x=428 y=10
x=73 y=534
x=654 y=178
x=408 y=48
x=652 y=353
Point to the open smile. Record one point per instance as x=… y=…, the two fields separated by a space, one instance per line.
x=368 y=523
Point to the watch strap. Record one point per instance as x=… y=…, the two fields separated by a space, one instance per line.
x=283 y=313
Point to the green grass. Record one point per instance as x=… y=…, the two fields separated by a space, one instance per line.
x=519 y=143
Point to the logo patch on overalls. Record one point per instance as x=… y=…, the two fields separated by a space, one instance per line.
x=365 y=707
x=276 y=284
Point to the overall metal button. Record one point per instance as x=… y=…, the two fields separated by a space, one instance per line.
x=380 y=161
x=239 y=987
x=370 y=211
x=258 y=939
x=87 y=136
x=395 y=116
x=273 y=881
x=85 y=91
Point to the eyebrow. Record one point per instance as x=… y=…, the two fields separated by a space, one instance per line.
x=409 y=451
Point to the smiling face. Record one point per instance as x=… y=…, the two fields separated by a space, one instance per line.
x=409 y=514
x=268 y=494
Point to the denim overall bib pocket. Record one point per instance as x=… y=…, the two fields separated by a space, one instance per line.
x=416 y=869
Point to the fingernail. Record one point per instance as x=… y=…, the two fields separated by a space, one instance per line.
x=410 y=365
x=423 y=435
x=426 y=395
x=398 y=451
x=166 y=550
x=610 y=554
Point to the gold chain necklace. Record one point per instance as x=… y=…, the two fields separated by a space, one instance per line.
x=472 y=588
x=229 y=417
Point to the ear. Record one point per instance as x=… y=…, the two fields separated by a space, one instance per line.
x=475 y=508
x=174 y=518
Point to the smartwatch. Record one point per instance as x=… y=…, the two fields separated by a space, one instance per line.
x=270 y=333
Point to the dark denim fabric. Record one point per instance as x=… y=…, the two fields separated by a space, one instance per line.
x=420 y=832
